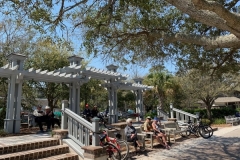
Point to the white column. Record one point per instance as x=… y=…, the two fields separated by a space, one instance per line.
x=8 y=122
x=17 y=104
x=78 y=99
x=141 y=104
x=64 y=115
x=73 y=99
x=138 y=104
x=70 y=96
x=115 y=105
x=110 y=102
x=171 y=110
x=95 y=128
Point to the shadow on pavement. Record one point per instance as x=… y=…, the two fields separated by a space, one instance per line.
x=205 y=149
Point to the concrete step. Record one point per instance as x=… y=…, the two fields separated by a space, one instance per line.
x=34 y=144
x=67 y=156
x=36 y=153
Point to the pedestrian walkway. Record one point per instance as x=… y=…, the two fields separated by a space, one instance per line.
x=23 y=139
x=225 y=144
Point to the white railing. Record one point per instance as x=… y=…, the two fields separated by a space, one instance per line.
x=79 y=129
x=163 y=114
x=183 y=116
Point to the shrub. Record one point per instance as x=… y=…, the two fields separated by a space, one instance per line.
x=2 y=133
x=216 y=113
x=151 y=114
x=206 y=121
x=219 y=121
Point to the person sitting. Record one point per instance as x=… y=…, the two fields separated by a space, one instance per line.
x=159 y=133
x=50 y=119
x=131 y=134
x=94 y=111
x=87 y=113
x=39 y=117
x=147 y=126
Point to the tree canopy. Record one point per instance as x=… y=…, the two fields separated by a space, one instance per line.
x=149 y=31
x=206 y=88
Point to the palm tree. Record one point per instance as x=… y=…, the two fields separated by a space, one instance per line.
x=163 y=86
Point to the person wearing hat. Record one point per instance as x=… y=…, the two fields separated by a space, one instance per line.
x=147 y=126
x=87 y=113
x=39 y=117
x=160 y=135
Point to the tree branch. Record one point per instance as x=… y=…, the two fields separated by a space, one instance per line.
x=226 y=41
x=204 y=16
x=232 y=19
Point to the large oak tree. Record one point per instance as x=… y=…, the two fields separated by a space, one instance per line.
x=144 y=30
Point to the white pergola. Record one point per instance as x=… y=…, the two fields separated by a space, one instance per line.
x=73 y=75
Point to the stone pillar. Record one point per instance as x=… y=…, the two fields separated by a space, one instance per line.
x=12 y=121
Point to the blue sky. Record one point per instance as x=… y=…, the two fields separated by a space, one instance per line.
x=97 y=63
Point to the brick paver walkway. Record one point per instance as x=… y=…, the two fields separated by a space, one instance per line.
x=225 y=144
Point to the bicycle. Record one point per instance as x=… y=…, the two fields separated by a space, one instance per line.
x=121 y=144
x=112 y=150
x=204 y=131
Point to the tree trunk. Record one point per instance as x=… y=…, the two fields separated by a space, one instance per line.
x=209 y=113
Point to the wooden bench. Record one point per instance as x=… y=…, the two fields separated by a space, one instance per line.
x=173 y=129
x=148 y=135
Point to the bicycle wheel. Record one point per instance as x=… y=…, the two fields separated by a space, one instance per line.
x=195 y=131
x=123 y=148
x=210 y=130
x=113 y=152
x=189 y=131
x=204 y=132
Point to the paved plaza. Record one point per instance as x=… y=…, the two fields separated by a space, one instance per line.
x=224 y=145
